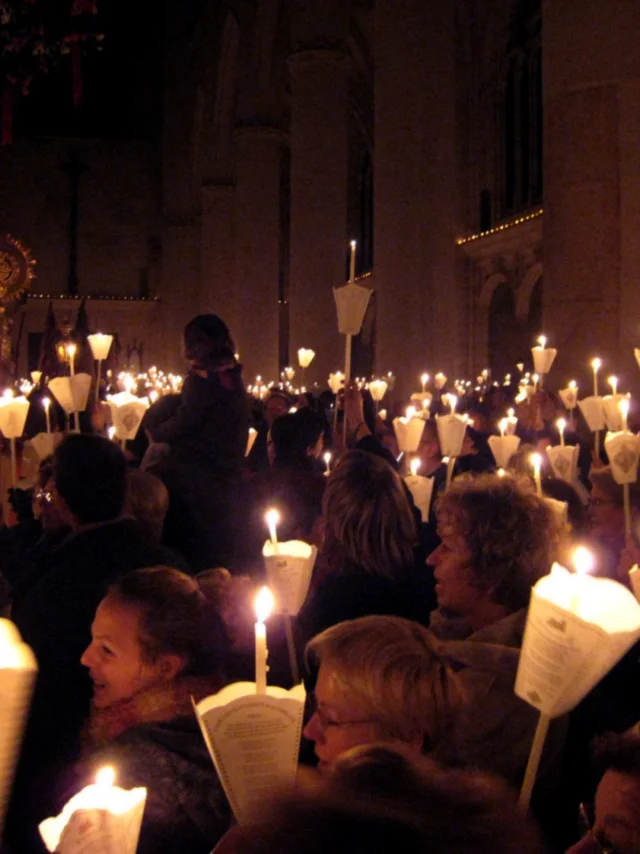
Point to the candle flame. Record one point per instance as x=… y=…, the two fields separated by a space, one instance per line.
x=272 y=517
x=353 y=244
x=71 y=349
x=536 y=462
x=415 y=465
x=573 y=385
x=453 y=400
x=106 y=777
x=424 y=379
x=264 y=604
x=502 y=424
x=561 y=424
x=46 y=402
x=411 y=412
x=501 y=472
x=583 y=560
x=327 y=458
x=623 y=405
x=596 y=365
x=542 y=341
x=613 y=382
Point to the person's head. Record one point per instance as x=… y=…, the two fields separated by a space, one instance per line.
x=208 y=342
x=276 y=404
x=153 y=625
x=418 y=807
x=367 y=517
x=561 y=490
x=147 y=502
x=89 y=478
x=295 y=439
x=380 y=679
x=44 y=507
x=497 y=539
x=429 y=448
x=613 y=821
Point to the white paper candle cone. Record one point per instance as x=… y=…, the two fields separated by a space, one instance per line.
x=336 y=382
x=35 y=377
x=503 y=448
x=351 y=305
x=578 y=627
x=543 y=358
x=45 y=444
x=611 y=411
x=378 y=389
x=591 y=408
x=289 y=573
x=250 y=440
x=72 y=393
x=623 y=450
x=564 y=461
x=569 y=397
x=305 y=357
x=560 y=509
x=451 y=430
x=440 y=380
x=101 y=819
x=253 y=740
x=423 y=398
x=408 y=433
x=18 y=670
x=127 y=412
x=100 y=345
x=13 y=416
x=421 y=489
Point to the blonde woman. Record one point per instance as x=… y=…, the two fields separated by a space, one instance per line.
x=367 y=563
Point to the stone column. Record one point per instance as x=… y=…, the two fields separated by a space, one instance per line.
x=217 y=295
x=592 y=183
x=319 y=240
x=415 y=190
x=257 y=250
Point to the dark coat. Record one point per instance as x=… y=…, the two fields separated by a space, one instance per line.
x=207 y=437
x=186 y=808
x=54 y=618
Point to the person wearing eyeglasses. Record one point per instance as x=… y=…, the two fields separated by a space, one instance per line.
x=611 y=825
x=380 y=679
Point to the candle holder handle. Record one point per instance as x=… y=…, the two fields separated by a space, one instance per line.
x=534 y=760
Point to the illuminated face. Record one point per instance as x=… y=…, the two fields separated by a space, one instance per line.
x=340 y=722
x=114 y=656
x=454 y=577
x=617 y=817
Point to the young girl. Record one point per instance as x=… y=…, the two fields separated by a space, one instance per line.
x=155 y=644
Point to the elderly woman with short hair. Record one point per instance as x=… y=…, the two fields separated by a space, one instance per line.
x=381 y=679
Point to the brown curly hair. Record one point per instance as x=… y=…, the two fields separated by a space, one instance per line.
x=511 y=535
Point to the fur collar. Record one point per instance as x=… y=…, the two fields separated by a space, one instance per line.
x=162 y=702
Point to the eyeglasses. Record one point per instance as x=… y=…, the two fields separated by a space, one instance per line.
x=327 y=723
x=43 y=495
x=586 y=820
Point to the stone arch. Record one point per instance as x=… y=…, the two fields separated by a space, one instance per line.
x=490 y=285
x=525 y=290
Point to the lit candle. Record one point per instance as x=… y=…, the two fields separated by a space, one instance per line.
x=542 y=341
x=501 y=472
x=410 y=413
x=415 y=465
x=561 y=424
x=595 y=364
x=71 y=353
x=120 y=818
x=263 y=607
x=46 y=402
x=536 y=380
x=327 y=462
x=453 y=400
x=352 y=262
x=424 y=379
x=502 y=424
x=272 y=518
x=583 y=563
x=536 y=462
x=613 y=382
x=111 y=432
x=623 y=405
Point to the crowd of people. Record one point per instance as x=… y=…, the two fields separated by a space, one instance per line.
x=131 y=576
